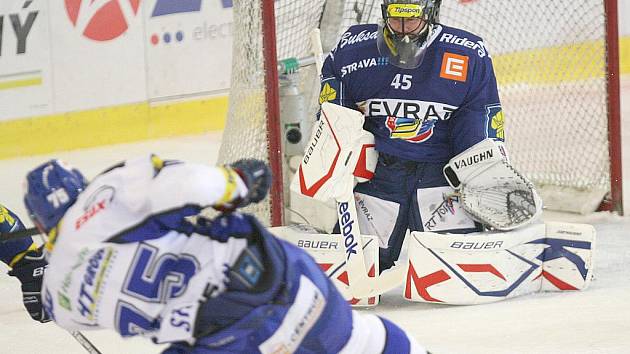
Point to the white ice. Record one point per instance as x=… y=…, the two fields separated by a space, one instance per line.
x=593 y=321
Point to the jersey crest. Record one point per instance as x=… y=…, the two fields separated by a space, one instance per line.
x=410 y=129
x=495 y=122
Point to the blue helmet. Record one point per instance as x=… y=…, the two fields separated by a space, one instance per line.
x=51 y=189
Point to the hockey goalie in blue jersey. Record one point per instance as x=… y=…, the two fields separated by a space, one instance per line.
x=124 y=255
x=419 y=99
x=27 y=263
x=429 y=94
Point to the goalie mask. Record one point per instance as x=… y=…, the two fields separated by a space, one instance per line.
x=406 y=25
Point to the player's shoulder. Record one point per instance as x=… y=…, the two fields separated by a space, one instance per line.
x=461 y=41
x=8 y=220
x=357 y=36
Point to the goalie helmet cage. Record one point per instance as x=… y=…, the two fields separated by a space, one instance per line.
x=557 y=69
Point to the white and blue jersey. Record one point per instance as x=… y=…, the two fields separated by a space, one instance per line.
x=427 y=114
x=126 y=258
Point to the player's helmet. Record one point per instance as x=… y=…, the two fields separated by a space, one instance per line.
x=406 y=26
x=51 y=188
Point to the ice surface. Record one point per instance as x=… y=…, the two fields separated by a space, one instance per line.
x=593 y=321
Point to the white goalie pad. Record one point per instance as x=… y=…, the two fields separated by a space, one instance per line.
x=490 y=189
x=328 y=252
x=326 y=172
x=339 y=147
x=487 y=267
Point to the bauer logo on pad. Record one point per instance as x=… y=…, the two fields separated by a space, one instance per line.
x=454 y=67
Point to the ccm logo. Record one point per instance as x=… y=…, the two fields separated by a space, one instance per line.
x=454 y=67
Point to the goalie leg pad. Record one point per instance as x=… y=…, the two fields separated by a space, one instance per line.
x=568 y=259
x=488 y=267
x=328 y=252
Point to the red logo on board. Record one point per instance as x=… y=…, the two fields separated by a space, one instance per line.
x=104 y=20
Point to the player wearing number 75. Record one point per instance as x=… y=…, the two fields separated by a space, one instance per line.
x=124 y=254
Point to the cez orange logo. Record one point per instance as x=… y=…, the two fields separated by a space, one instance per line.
x=454 y=67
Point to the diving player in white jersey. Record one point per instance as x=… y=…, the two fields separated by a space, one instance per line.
x=124 y=256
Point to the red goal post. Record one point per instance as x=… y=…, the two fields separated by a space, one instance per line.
x=557 y=64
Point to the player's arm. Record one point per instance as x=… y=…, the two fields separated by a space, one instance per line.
x=493 y=192
x=12 y=251
x=169 y=192
x=27 y=264
x=481 y=115
x=333 y=89
x=198 y=186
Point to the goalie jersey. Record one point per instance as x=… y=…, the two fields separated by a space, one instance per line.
x=427 y=114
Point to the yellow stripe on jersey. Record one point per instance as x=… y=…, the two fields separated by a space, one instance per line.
x=20 y=255
x=230 y=185
x=52 y=238
x=157 y=162
x=6 y=216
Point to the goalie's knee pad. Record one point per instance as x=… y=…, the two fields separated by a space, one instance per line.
x=492 y=191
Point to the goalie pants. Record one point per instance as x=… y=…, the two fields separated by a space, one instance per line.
x=399 y=196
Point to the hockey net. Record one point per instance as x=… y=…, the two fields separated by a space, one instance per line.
x=555 y=63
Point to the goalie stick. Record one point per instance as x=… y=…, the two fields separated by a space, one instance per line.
x=325 y=173
x=360 y=284
x=348 y=123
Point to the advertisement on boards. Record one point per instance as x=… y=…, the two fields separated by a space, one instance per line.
x=25 y=75
x=97 y=52
x=189 y=46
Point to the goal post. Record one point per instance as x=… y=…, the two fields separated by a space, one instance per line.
x=557 y=66
x=265 y=31
x=615 y=202
x=272 y=100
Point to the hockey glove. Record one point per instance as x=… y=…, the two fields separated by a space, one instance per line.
x=30 y=271
x=257 y=177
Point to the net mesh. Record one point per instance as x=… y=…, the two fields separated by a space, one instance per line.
x=245 y=133
x=549 y=58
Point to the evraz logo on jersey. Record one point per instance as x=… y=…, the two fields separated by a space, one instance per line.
x=363 y=64
x=409 y=120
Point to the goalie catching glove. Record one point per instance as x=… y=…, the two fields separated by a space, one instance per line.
x=490 y=189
